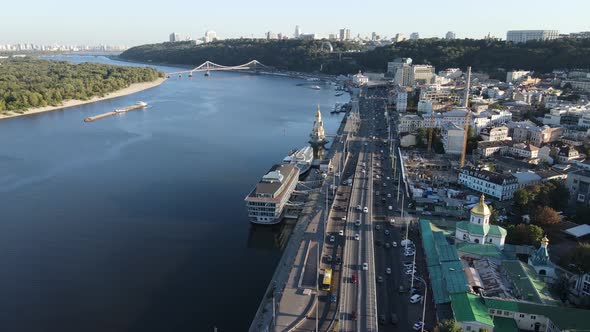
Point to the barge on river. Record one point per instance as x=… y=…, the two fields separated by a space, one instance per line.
x=137 y=106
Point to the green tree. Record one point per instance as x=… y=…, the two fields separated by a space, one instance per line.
x=521 y=199
x=523 y=234
x=544 y=215
x=580 y=257
x=561 y=288
x=449 y=325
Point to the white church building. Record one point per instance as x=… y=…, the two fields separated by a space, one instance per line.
x=478 y=228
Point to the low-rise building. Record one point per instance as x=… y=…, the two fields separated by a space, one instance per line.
x=494 y=134
x=522 y=150
x=409 y=123
x=360 y=79
x=478 y=229
x=578 y=183
x=497 y=185
x=489 y=148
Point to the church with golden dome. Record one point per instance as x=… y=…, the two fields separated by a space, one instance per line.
x=478 y=228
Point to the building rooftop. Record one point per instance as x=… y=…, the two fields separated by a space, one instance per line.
x=272 y=181
x=469 y=308
x=481 y=208
x=497 y=178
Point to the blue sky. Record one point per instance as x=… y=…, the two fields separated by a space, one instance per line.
x=138 y=22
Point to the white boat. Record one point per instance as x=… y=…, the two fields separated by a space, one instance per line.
x=302 y=158
x=267 y=201
x=315 y=87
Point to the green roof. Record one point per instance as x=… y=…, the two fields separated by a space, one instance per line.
x=488 y=249
x=473 y=228
x=437 y=284
x=470 y=308
x=565 y=318
x=454 y=276
x=503 y=324
x=497 y=231
x=428 y=243
x=522 y=281
x=447 y=253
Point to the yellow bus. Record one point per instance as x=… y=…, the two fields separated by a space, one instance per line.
x=327 y=280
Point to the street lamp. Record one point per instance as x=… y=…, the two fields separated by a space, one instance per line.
x=424 y=301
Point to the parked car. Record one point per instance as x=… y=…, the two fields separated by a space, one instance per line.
x=387 y=246
x=409 y=253
x=381 y=319
x=332 y=238
x=329 y=259
x=391 y=221
x=333 y=298
x=388 y=270
x=353 y=313
x=386 y=232
x=338 y=260
x=357 y=237
x=418 y=326
x=341 y=233
x=377 y=227
x=394 y=244
x=353 y=278
x=379 y=279
x=415 y=298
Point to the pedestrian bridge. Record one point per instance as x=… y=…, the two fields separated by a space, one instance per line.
x=211 y=66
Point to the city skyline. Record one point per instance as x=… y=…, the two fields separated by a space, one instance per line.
x=42 y=23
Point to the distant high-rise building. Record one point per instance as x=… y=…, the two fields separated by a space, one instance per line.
x=280 y=36
x=271 y=35
x=374 y=36
x=523 y=36
x=342 y=34
x=399 y=37
x=414 y=36
x=174 y=37
x=297 y=31
x=450 y=35
x=332 y=36
x=210 y=36
x=347 y=34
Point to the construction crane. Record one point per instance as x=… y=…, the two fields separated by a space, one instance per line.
x=430 y=130
x=467 y=112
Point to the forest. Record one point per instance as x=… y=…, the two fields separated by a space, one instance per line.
x=484 y=55
x=29 y=83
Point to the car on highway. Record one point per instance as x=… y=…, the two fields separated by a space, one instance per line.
x=333 y=298
x=386 y=232
x=418 y=326
x=341 y=233
x=415 y=298
x=387 y=245
x=388 y=270
x=366 y=210
x=344 y=218
x=353 y=315
x=358 y=207
x=377 y=227
x=390 y=208
x=332 y=238
x=353 y=278
x=410 y=272
x=409 y=253
x=379 y=279
x=391 y=221
x=388 y=195
x=357 y=222
x=357 y=237
x=365 y=266
x=338 y=260
x=394 y=244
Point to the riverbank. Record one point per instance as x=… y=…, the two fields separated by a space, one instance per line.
x=133 y=88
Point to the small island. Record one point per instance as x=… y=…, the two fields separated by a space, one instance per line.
x=32 y=85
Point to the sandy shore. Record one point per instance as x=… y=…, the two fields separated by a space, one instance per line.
x=133 y=88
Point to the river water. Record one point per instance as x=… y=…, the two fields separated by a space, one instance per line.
x=137 y=222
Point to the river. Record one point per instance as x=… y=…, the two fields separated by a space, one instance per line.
x=137 y=222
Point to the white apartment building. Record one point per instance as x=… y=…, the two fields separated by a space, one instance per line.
x=360 y=79
x=450 y=35
x=495 y=134
x=456 y=117
x=515 y=75
x=401 y=99
x=522 y=36
x=452 y=138
x=525 y=151
x=583 y=85
x=499 y=186
x=410 y=123
x=422 y=74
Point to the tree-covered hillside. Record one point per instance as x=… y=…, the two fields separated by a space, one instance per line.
x=28 y=83
x=310 y=56
x=298 y=55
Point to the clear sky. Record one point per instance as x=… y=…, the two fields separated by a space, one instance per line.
x=134 y=22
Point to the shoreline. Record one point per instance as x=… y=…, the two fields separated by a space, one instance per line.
x=133 y=88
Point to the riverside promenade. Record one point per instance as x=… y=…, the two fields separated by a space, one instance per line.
x=291 y=295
